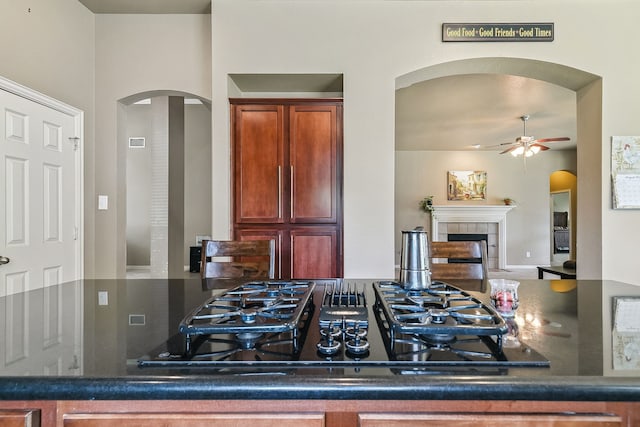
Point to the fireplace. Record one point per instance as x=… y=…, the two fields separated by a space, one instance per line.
x=487 y=220
x=465 y=237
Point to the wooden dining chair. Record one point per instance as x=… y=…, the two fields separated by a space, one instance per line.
x=237 y=259
x=462 y=264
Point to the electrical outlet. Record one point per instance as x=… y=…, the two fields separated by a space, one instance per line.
x=528 y=254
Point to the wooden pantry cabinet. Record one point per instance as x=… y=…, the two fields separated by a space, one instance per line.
x=287 y=181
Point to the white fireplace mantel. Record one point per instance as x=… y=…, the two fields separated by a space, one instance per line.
x=468 y=213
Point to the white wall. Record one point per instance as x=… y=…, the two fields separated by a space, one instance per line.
x=375 y=42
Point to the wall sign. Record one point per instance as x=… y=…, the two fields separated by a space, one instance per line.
x=494 y=32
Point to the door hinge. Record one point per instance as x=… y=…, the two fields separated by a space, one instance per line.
x=75 y=233
x=75 y=141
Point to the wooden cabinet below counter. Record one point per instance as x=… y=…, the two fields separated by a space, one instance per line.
x=325 y=413
x=19 y=418
x=28 y=413
x=193 y=420
x=489 y=420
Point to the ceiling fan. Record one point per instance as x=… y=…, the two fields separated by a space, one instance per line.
x=527 y=146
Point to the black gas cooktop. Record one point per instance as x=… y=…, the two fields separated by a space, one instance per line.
x=298 y=326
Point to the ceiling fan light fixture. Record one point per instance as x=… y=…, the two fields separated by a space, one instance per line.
x=526 y=145
x=518 y=151
x=525 y=150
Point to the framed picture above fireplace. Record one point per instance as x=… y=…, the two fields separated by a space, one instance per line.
x=466 y=185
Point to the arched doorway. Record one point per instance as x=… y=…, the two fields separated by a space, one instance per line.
x=588 y=89
x=165 y=139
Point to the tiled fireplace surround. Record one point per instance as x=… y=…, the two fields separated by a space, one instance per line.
x=488 y=228
x=464 y=219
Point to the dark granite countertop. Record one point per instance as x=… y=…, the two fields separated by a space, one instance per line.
x=59 y=343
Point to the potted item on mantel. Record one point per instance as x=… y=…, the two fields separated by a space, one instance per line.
x=426 y=204
x=509 y=201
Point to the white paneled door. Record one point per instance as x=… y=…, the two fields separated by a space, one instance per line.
x=40 y=193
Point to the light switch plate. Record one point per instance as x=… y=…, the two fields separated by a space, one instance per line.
x=103 y=298
x=103 y=202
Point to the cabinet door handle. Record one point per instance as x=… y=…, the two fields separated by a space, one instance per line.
x=292 y=190
x=279 y=191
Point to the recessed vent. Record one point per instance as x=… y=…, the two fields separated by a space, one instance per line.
x=137 y=142
x=136 y=319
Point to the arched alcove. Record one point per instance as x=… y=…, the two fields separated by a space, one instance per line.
x=588 y=89
x=165 y=143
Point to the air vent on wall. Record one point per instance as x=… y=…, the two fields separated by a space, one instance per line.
x=136 y=320
x=136 y=142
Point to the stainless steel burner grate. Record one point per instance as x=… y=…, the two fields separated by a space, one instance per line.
x=442 y=318
x=250 y=311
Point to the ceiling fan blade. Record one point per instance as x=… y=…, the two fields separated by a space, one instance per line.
x=510 y=149
x=561 y=138
x=504 y=144
x=498 y=145
x=540 y=146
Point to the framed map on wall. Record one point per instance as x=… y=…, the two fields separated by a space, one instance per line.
x=466 y=185
x=625 y=172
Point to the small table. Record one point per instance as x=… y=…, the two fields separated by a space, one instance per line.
x=564 y=273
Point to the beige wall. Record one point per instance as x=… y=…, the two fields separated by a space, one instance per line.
x=138 y=230
x=375 y=42
x=54 y=49
x=60 y=48
x=138 y=54
x=423 y=173
x=48 y=46
x=197 y=182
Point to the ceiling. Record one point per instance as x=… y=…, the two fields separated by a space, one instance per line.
x=448 y=113
x=456 y=112
x=148 y=6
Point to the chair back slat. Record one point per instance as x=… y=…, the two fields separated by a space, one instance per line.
x=238 y=258
x=470 y=274
x=236 y=269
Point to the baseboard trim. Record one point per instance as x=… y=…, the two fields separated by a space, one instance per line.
x=521 y=266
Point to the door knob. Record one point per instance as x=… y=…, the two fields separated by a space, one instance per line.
x=4 y=260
